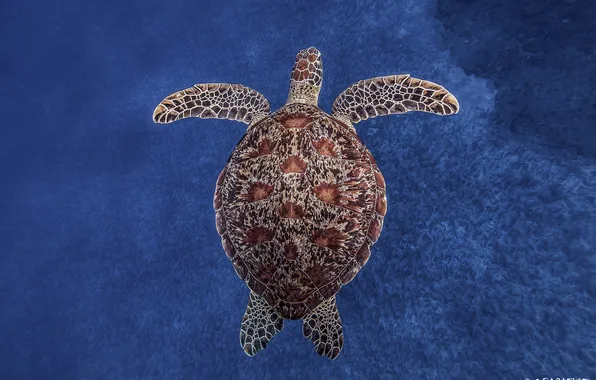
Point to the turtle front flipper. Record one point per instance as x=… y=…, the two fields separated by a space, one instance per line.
x=393 y=94
x=213 y=100
x=323 y=327
x=259 y=325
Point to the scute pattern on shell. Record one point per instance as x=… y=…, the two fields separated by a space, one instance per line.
x=299 y=205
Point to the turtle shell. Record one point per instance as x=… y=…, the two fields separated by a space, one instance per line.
x=298 y=206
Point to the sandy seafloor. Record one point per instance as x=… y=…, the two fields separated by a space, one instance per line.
x=110 y=263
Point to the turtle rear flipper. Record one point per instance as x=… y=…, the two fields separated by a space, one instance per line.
x=259 y=325
x=323 y=327
x=393 y=94
x=213 y=100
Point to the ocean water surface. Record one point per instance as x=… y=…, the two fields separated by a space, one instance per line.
x=110 y=263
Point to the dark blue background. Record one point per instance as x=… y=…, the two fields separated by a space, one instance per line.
x=111 y=267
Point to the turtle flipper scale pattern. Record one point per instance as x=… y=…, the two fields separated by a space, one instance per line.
x=213 y=100
x=393 y=94
x=323 y=327
x=259 y=325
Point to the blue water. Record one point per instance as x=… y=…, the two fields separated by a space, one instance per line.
x=110 y=263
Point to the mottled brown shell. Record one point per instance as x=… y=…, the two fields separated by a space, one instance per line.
x=298 y=206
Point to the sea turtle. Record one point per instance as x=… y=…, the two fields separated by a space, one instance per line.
x=301 y=200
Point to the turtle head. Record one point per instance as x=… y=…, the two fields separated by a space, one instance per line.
x=307 y=76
